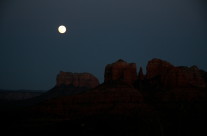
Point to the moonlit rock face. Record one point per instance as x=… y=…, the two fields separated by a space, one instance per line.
x=86 y=80
x=120 y=71
x=62 y=29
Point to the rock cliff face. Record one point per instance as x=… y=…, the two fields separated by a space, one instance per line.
x=184 y=77
x=76 y=79
x=164 y=74
x=121 y=71
x=157 y=67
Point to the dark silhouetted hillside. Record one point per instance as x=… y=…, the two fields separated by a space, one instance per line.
x=169 y=100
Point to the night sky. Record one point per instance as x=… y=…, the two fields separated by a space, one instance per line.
x=99 y=32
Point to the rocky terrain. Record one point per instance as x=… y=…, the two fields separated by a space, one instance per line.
x=167 y=100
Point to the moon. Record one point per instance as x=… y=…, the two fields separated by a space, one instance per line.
x=62 y=29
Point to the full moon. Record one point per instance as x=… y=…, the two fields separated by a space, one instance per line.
x=62 y=29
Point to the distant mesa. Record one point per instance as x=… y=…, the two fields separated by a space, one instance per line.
x=68 y=83
x=14 y=95
x=86 y=80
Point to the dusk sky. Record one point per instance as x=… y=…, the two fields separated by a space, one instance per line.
x=99 y=32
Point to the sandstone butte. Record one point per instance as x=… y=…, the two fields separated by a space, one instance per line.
x=169 y=76
x=76 y=79
x=120 y=71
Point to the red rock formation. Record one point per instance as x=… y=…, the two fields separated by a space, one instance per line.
x=157 y=67
x=77 y=79
x=140 y=74
x=184 y=77
x=121 y=71
x=169 y=76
